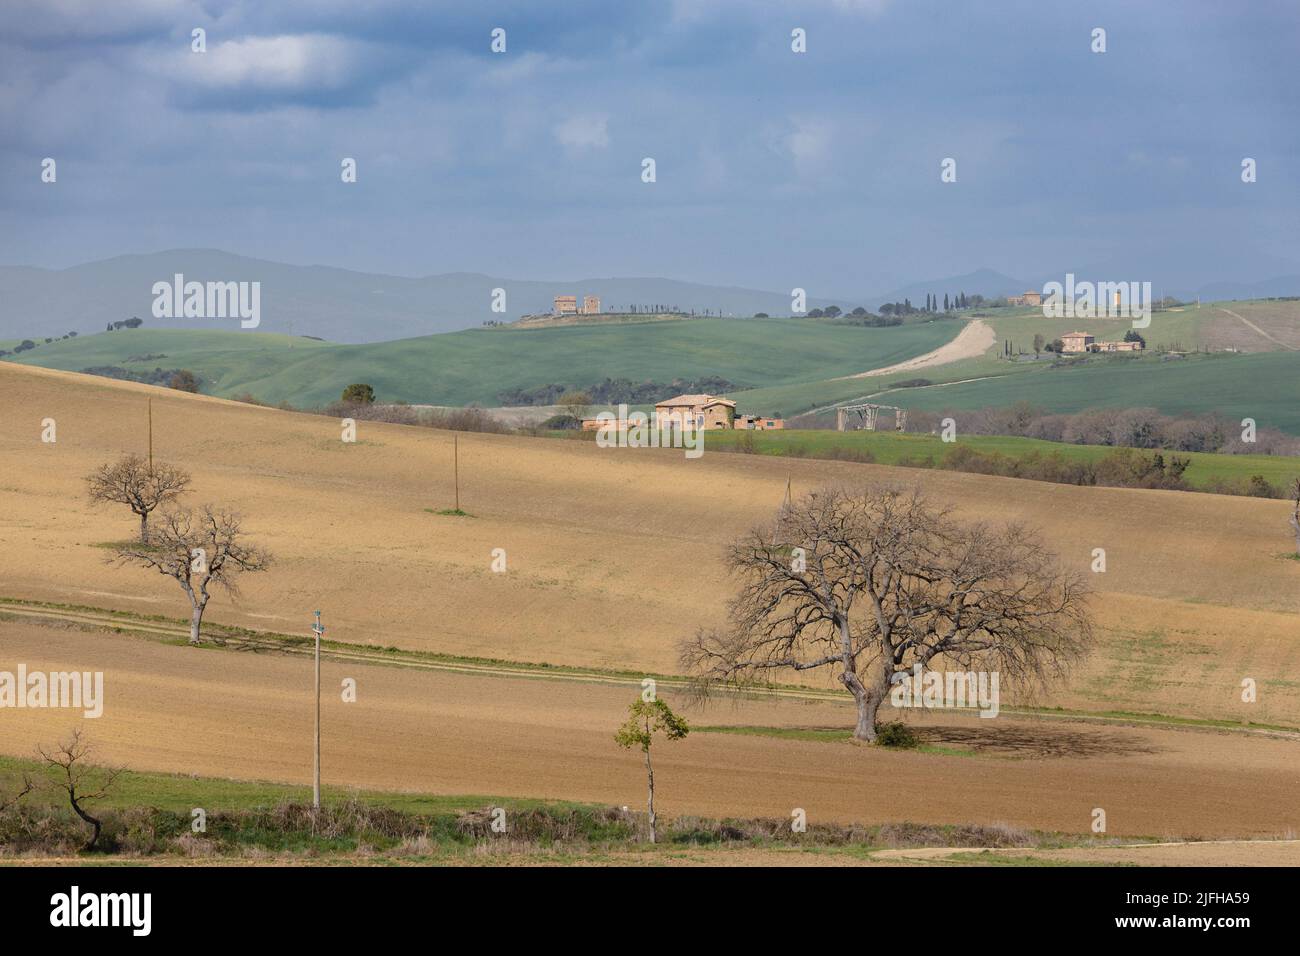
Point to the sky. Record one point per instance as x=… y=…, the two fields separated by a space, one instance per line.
x=774 y=169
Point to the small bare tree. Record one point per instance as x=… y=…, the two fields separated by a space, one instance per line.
x=575 y=404
x=199 y=549
x=871 y=582
x=26 y=788
x=131 y=481
x=1295 y=514
x=79 y=779
x=645 y=718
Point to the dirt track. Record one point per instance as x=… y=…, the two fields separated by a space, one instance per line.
x=246 y=715
x=972 y=341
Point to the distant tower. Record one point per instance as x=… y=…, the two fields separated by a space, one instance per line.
x=591 y=304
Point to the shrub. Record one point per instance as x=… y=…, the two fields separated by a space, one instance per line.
x=897 y=735
x=358 y=394
x=559 y=422
x=183 y=380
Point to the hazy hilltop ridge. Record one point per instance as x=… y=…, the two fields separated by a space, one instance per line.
x=336 y=304
x=343 y=305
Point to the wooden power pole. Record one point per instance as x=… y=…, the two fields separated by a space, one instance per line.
x=455 y=451
x=315 y=788
x=151 y=436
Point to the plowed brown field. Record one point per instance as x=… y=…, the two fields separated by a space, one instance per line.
x=613 y=556
x=225 y=713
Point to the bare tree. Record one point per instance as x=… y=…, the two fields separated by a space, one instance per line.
x=645 y=718
x=199 y=549
x=26 y=788
x=79 y=779
x=575 y=403
x=131 y=481
x=871 y=582
x=1295 y=514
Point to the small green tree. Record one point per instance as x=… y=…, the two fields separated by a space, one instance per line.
x=359 y=394
x=645 y=718
x=1039 y=342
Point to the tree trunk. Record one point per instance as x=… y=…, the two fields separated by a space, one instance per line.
x=196 y=619
x=868 y=703
x=650 y=780
x=94 y=836
x=144 y=527
x=1295 y=524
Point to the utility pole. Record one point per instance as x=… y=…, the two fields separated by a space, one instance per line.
x=315 y=789
x=455 y=451
x=151 y=436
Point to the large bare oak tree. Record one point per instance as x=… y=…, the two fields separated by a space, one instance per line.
x=132 y=481
x=200 y=549
x=886 y=580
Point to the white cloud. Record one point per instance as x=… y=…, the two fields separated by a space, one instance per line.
x=868 y=7
x=809 y=144
x=289 y=63
x=584 y=132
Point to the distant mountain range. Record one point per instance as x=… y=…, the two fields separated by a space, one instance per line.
x=346 y=306
x=335 y=304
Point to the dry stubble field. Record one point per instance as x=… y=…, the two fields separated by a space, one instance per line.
x=613 y=556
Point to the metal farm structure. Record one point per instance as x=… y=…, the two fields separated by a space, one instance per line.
x=866 y=417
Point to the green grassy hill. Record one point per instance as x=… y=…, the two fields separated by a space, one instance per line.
x=474 y=366
x=1264 y=386
x=892 y=448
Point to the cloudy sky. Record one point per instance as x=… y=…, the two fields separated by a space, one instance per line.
x=774 y=169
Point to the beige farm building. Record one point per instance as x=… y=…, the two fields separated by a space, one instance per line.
x=707 y=412
x=696 y=411
x=566 y=305
x=1076 y=342
x=1083 y=342
x=1116 y=347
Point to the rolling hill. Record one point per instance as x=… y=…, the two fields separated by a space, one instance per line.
x=1265 y=387
x=475 y=365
